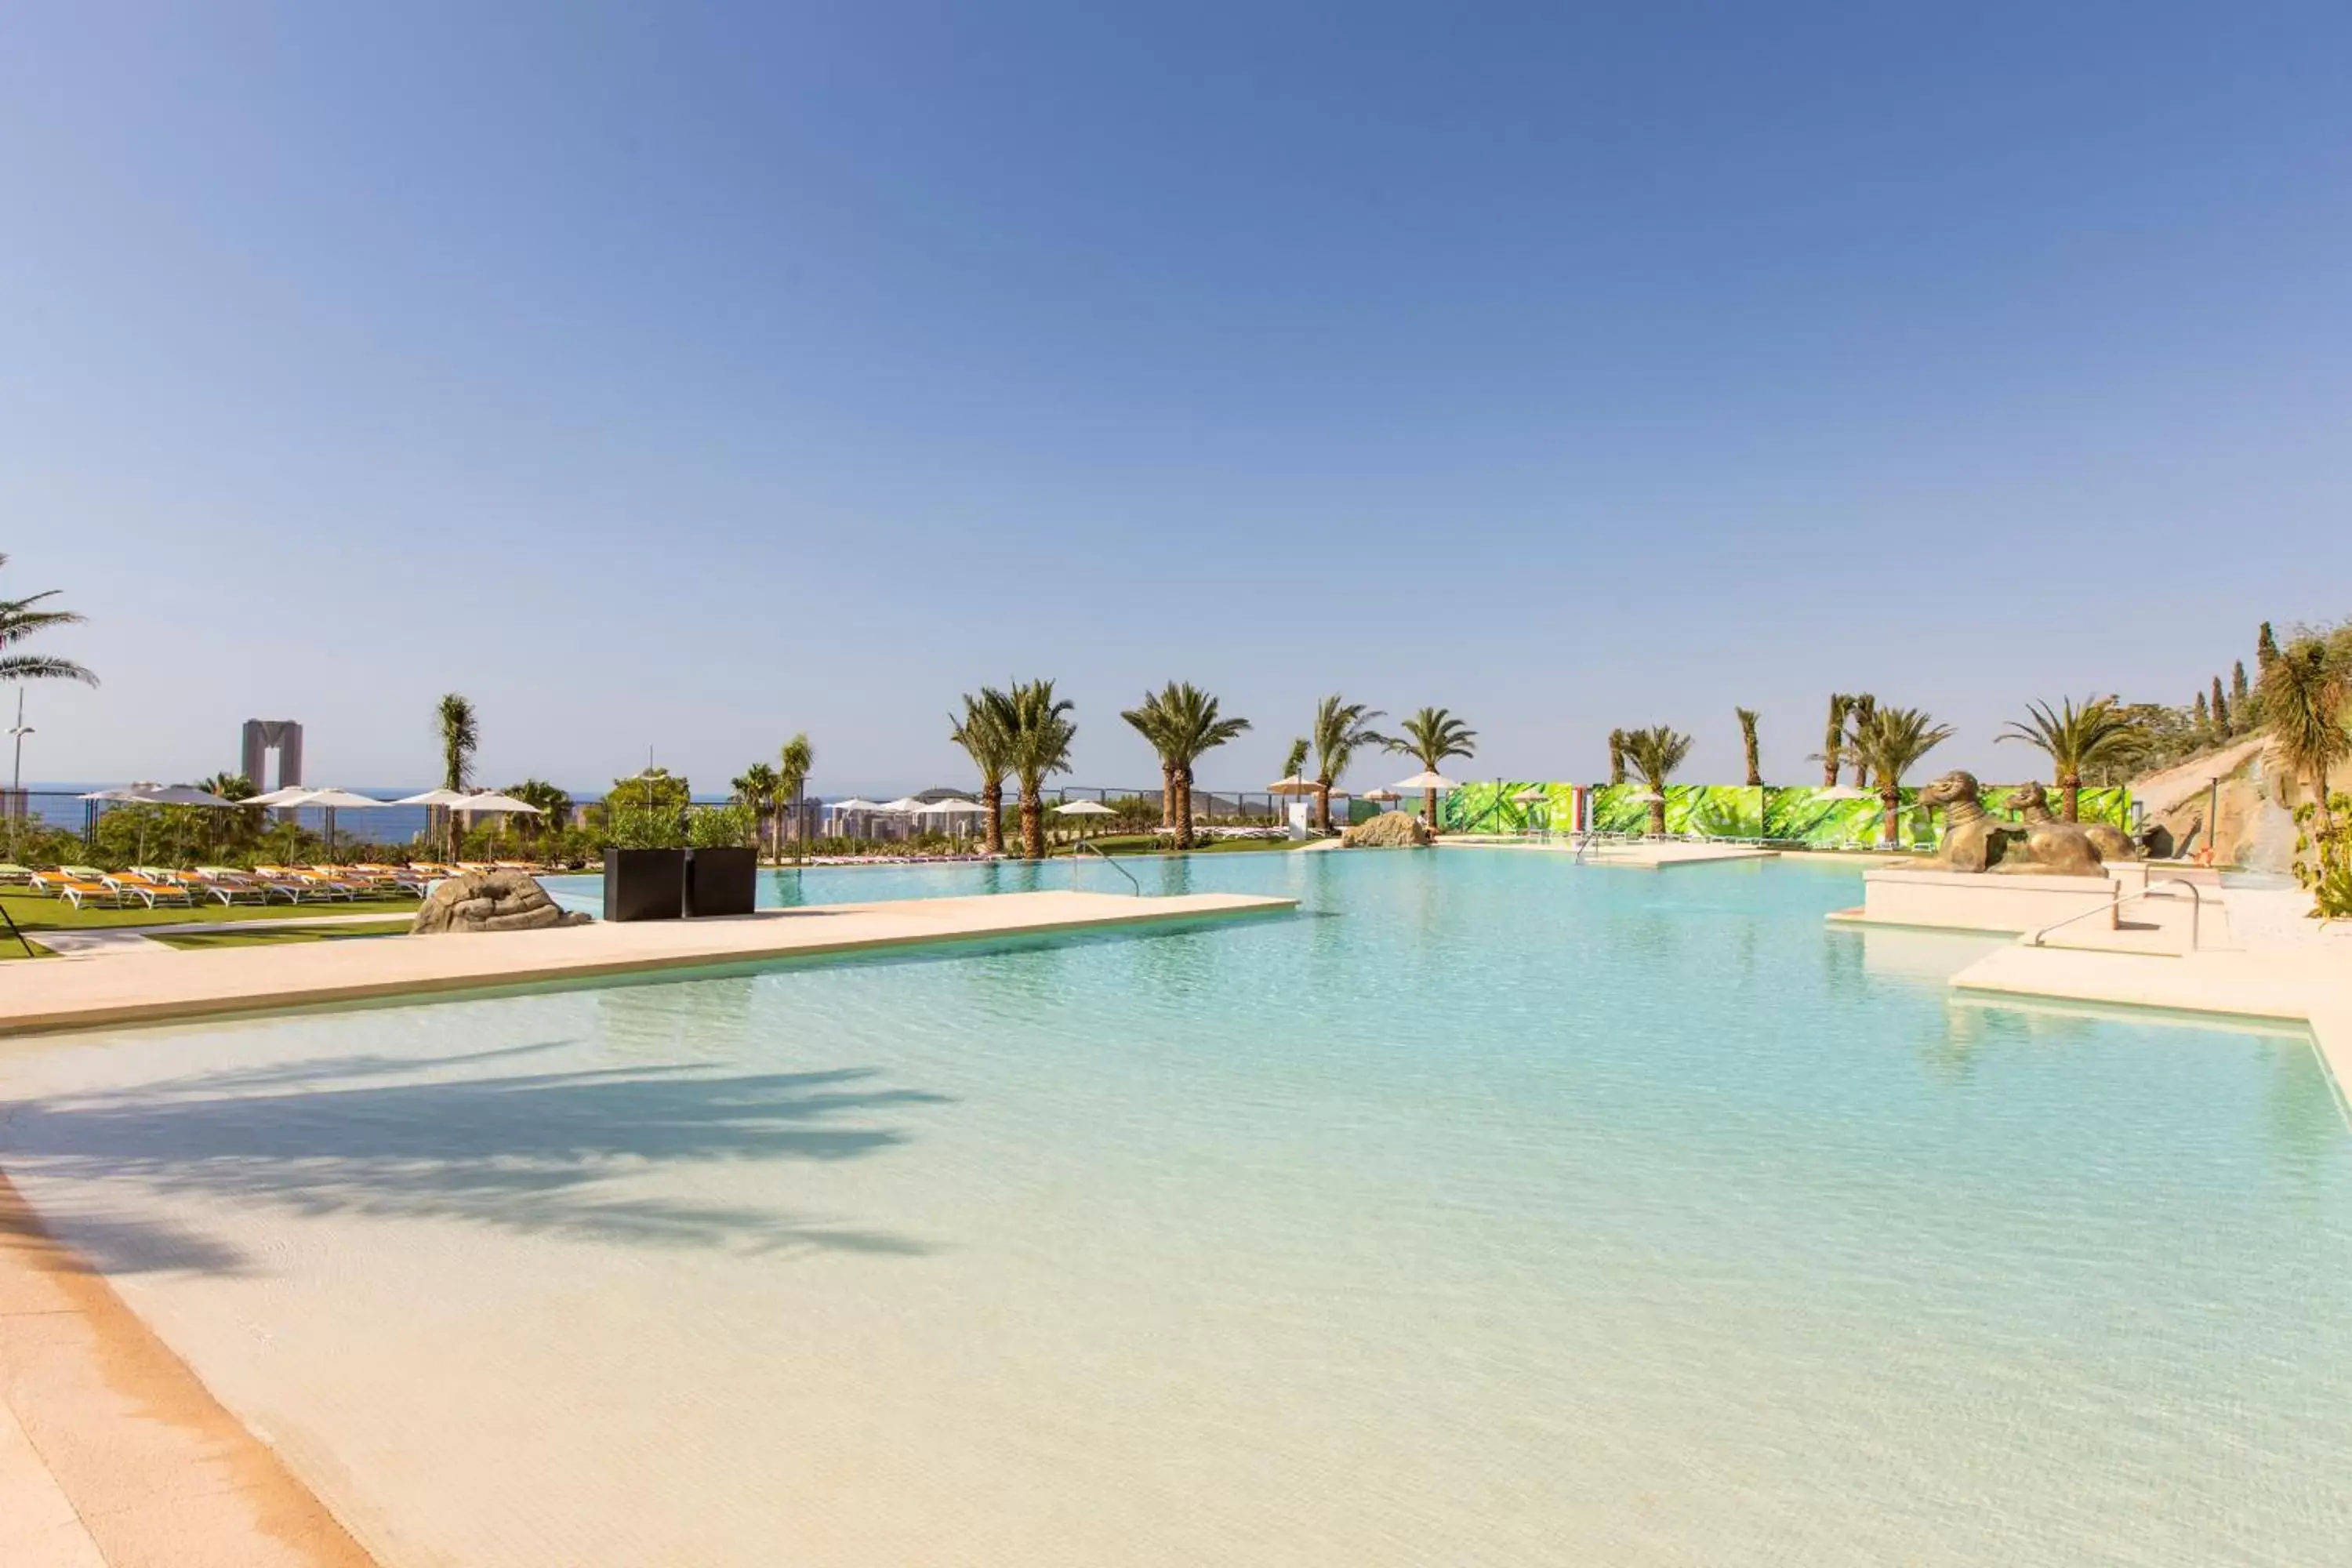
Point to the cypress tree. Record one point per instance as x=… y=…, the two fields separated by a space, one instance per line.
x=2265 y=647
x=2204 y=718
x=2220 y=709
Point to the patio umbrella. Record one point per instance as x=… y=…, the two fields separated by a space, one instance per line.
x=157 y=794
x=329 y=800
x=492 y=803
x=1845 y=792
x=438 y=799
x=1428 y=784
x=1381 y=797
x=953 y=806
x=285 y=796
x=1084 y=808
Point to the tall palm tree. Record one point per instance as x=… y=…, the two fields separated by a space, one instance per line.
x=2301 y=700
x=1655 y=754
x=1150 y=719
x=981 y=733
x=1188 y=726
x=1433 y=735
x=2074 y=738
x=1834 y=738
x=1341 y=729
x=1616 y=756
x=461 y=733
x=1890 y=745
x=1038 y=733
x=18 y=621
x=1293 y=762
x=1748 y=717
x=755 y=786
x=1862 y=712
x=794 y=761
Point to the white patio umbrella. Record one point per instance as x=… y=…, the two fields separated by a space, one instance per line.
x=1428 y=784
x=332 y=800
x=489 y=803
x=156 y=794
x=1083 y=809
x=953 y=808
x=1845 y=792
x=440 y=799
x=285 y=796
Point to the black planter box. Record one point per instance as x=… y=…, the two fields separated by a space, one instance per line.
x=722 y=882
x=644 y=884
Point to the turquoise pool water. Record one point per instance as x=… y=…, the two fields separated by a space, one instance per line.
x=1495 y=1210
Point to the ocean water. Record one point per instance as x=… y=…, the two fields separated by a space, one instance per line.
x=1494 y=1210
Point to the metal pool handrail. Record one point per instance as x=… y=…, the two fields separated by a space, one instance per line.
x=1083 y=844
x=2196 y=910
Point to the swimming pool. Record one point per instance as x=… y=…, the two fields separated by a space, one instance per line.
x=1494 y=1210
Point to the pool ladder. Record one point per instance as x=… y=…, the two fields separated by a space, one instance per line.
x=1088 y=849
x=2196 y=909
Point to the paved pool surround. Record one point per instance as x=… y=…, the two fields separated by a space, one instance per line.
x=158 y=987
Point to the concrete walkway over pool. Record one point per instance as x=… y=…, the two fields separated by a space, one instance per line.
x=164 y=985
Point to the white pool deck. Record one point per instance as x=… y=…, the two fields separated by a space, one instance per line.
x=164 y=985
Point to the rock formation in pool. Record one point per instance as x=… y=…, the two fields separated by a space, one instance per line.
x=491 y=900
x=1389 y=830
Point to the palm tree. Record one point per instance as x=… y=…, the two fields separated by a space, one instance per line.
x=1433 y=735
x=755 y=786
x=18 y=621
x=1616 y=756
x=795 y=758
x=1187 y=725
x=1293 y=762
x=1834 y=738
x=1149 y=720
x=461 y=733
x=982 y=735
x=1341 y=729
x=555 y=805
x=1655 y=754
x=1748 y=717
x=1890 y=745
x=2302 y=699
x=1862 y=710
x=2074 y=739
x=1038 y=733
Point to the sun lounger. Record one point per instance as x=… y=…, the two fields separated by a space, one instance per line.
x=78 y=892
x=150 y=893
x=217 y=878
x=13 y=873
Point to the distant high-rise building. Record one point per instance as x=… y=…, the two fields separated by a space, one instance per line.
x=263 y=736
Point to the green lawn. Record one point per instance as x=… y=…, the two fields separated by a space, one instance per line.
x=254 y=934
x=35 y=913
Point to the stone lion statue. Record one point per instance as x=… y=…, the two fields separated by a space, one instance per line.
x=2033 y=802
x=491 y=900
x=1974 y=841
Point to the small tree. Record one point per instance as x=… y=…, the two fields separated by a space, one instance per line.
x=2074 y=740
x=1039 y=733
x=2301 y=697
x=1889 y=746
x=1341 y=729
x=981 y=732
x=795 y=760
x=755 y=786
x=1655 y=754
x=1834 y=738
x=1431 y=736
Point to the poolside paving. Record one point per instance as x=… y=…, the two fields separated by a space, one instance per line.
x=139 y=988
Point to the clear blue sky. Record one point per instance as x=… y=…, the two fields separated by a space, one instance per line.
x=687 y=377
